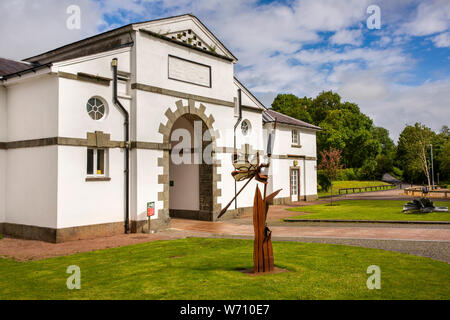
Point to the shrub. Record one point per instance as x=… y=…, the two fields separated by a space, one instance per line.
x=347 y=175
x=384 y=165
x=323 y=180
x=397 y=173
x=367 y=171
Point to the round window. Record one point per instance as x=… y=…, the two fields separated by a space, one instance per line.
x=245 y=127
x=96 y=108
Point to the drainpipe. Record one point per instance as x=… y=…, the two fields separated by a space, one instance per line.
x=235 y=127
x=127 y=146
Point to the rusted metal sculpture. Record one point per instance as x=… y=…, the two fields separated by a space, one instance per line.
x=246 y=170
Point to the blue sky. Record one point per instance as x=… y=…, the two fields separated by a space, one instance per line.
x=397 y=74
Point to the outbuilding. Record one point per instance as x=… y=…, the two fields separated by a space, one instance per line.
x=95 y=134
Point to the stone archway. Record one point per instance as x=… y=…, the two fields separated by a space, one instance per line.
x=209 y=208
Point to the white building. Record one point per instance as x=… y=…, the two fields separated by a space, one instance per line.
x=63 y=140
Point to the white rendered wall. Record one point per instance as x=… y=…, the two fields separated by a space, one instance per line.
x=3 y=138
x=83 y=203
x=280 y=169
x=96 y=202
x=31 y=178
x=146 y=186
x=311 y=177
x=152 y=68
x=97 y=64
x=74 y=121
x=32 y=186
x=33 y=108
x=283 y=141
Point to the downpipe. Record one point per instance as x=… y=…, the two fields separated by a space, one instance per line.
x=235 y=127
x=118 y=104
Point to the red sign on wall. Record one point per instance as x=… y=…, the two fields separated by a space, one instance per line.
x=150 y=209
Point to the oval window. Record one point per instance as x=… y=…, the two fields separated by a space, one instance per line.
x=245 y=127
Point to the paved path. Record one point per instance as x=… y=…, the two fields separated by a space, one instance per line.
x=379 y=233
x=422 y=241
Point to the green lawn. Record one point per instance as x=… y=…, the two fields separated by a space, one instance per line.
x=369 y=210
x=208 y=269
x=350 y=184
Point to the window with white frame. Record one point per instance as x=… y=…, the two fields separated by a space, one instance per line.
x=97 y=162
x=295 y=137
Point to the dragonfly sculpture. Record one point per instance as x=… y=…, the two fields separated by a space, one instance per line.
x=249 y=170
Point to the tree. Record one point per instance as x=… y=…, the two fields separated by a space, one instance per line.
x=444 y=161
x=441 y=153
x=387 y=145
x=413 y=151
x=384 y=164
x=293 y=106
x=330 y=164
x=344 y=126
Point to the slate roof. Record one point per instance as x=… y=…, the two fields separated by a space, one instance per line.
x=10 y=66
x=270 y=116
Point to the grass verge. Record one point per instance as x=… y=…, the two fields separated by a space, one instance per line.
x=368 y=210
x=209 y=269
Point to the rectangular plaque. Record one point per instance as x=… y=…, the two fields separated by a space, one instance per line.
x=189 y=71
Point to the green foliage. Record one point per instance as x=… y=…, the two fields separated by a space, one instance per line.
x=385 y=164
x=387 y=145
x=347 y=174
x=293 y=106
x=323 y=180
x=413 y=152
x=344 y=126
x=367 y=148
x=441 y=149
x=397 y=173
x=368 y=170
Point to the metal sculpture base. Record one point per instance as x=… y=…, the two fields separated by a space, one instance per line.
x=263 y=250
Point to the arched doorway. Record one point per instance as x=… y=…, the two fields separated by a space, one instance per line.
x=208 y=190
x=190 y=170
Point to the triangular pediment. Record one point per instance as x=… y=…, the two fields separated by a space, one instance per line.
x=187 y=29
x=189 y=37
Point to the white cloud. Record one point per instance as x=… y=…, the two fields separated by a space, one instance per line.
x=442 y=40
x=384 y=60
x=31 y=27
x=394 y=106
x=353 y=37
x=431 y=17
